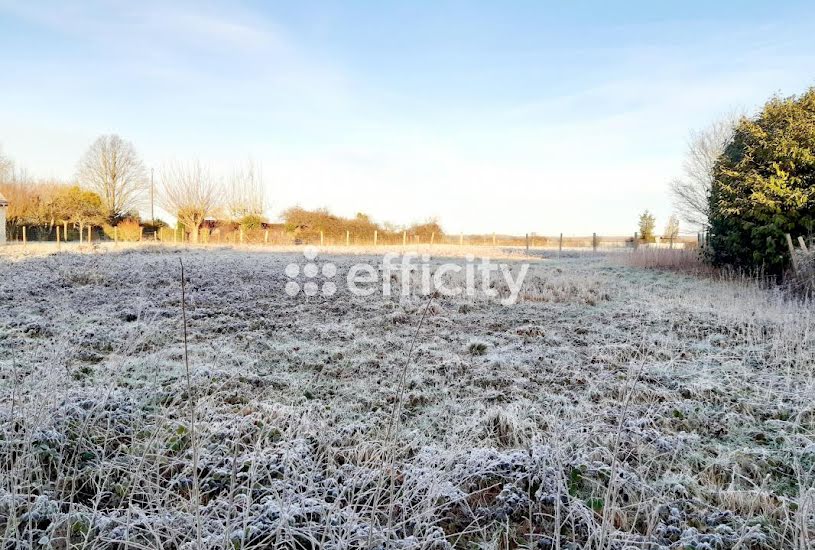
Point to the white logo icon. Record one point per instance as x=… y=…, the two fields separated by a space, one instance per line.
x=310 y=272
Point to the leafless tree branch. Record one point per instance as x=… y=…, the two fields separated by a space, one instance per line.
x=112 y=169
x=690 y=191
x=189 y=191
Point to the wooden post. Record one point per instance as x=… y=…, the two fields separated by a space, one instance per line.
x=65 y=231
x=636 y=240
x=25 y=236
x=792 y=251
x=347 y=238
x=376 y=234
x=81 y=231
x=527 y=244
x=560 y=245
x=90 y=235
x=803 y=244
x=594 y=242
x=58 y=244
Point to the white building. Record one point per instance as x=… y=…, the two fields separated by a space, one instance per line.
x=3 y=208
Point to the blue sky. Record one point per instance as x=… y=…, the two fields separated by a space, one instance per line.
x=539 y=116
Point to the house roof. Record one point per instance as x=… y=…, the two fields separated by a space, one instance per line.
x=3 y=201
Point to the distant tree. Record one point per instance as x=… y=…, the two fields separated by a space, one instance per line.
x=77 y=206
x=27 y=198
x=246 y=200
x=647 y=226
x=764 y=186
x=6 y=167
x=188 y=191
x=691 y=191
x=672 y=227
x=427 y=229
x=112 y=169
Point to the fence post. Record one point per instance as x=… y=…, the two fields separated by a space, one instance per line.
x=376 y=234
x=25 y=237
x=560 y=245
x=65 y=231
x=58 y=244
x=594 y=242
x=803 y=244
x=527 y=244
x=81 y=231
x=792 y=251
x=347 y=238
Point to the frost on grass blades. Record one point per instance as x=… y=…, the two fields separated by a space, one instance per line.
x=410 y=273
x=611 y=407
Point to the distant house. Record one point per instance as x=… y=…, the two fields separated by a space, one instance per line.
x=3 y=208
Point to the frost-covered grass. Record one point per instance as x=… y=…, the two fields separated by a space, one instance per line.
x=612 y=407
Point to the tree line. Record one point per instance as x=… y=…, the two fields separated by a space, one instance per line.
x=111 y=184
x=749 y=180
x=311 y=224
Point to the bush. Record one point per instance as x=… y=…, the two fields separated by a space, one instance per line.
x=251 y=222
x=764 y=187
x=128 y=230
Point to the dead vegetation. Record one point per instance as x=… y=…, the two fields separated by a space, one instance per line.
x=613 y=407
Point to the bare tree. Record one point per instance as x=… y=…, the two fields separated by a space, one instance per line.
x=112 y=168
x=672 y=228
x=189 y=191
x=245 y=192
x=6 y=167
x=690 y=192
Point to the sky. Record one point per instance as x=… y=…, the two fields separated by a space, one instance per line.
x=508 y=117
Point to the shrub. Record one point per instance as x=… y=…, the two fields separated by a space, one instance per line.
x=764 y=187
x=251 y=222
x=128 y=230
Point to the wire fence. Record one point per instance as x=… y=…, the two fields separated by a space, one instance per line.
x=280 y=237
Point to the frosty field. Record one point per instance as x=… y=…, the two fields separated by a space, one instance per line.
x=611 y=407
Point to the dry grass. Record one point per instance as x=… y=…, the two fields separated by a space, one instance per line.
x=686 y=260
x=612 y=407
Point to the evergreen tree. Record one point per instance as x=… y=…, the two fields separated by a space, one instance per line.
x=764 y=186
